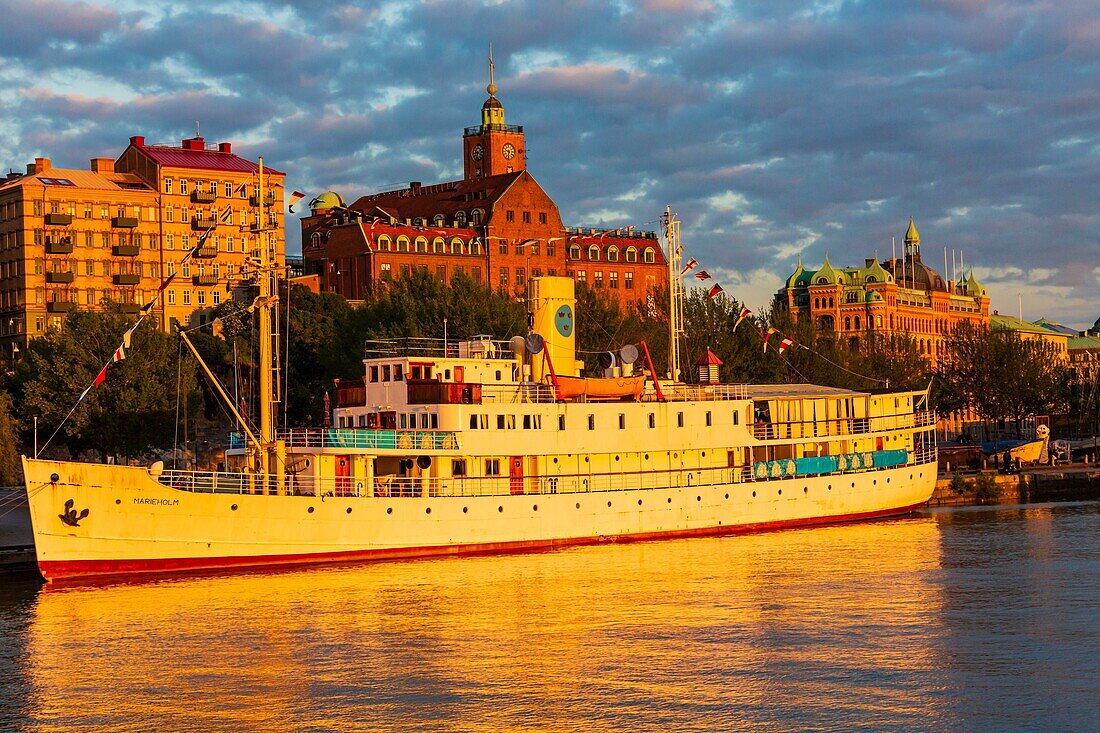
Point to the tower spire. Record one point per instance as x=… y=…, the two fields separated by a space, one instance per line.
x=492 y=87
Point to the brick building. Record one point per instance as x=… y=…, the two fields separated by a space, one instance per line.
x=84 y=238
x=497 y=225
x=899 y=296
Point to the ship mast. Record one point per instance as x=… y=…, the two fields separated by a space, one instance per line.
x=272 y=450
x=675 y=292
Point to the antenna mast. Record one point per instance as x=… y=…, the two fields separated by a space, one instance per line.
x=675 y=292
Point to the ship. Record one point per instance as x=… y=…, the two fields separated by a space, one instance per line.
x=486 y=446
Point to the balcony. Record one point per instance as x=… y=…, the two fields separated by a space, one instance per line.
x=204 y=280
x=204 y=197
x=59 y=220
x=60 y=306
x=59 y=246
x=205 y=253
x=124 y=222
x=127 y=279
x=199 y=224
x=125 y=250
x=59 y=277
x=269 y=199
x=129 y=308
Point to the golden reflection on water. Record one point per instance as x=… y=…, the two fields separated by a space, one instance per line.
x=701 y=634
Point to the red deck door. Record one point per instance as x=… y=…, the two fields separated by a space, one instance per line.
x=515 y=474
x=343 y=475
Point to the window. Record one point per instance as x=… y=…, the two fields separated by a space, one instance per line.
x=708 y=418
x=217 y=297
x=374 y=373
x=183 y=185
x=168 y=185
x=492 y=466
x=613 y=280
x=561 y=422
x=679 y=419
x=509 y=215
x=622 y=421
x=736 y=417
x=581 y=276
x=597 y=279
x=594 y=253
x=652 y=421
x=187 y=297
x=385 y=372
x=228 y=189
x=628 y=280
x=542 y=217
x=574 y=252
x=648 y=256
x=500 y=422
x=631 y=254
x=527 y=217
x=591 y=422
x=612 y=254
x=504 y=277
x=458 y=467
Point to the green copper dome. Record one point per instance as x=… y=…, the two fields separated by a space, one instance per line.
x=827 y=275
x=911 y=234
x=974 y=288
x=876 y=273
x=792 y=281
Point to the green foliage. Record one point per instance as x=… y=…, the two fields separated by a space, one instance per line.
x=11 y=471
x=959 y=484
x=985 y=487
x=1000 y=375
x=131 y=414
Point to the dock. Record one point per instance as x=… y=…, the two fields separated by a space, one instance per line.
x=16 y=539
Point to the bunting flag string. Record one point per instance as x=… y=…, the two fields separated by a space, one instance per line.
x=702 y=275
x=767 y=337
x=714 y=290
x=689 y=266
x=745 y=313
x=295 y=197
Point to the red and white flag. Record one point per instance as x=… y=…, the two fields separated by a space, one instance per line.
x=295 y=197
x=767 y=336
x=689 y=266
x=784 y=345
x=714 y=290
x=745 y=313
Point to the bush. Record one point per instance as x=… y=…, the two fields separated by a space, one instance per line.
x=959 y=485
x=985 y=487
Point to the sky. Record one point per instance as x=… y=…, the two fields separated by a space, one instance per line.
x=775 y=129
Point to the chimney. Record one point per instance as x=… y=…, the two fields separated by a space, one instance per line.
x=103 y=165
x=225 y=147
x=42 y=164
x=194 y=143
x=137 y=141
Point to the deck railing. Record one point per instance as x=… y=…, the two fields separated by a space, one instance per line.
x=841 y=427
x=411 y=486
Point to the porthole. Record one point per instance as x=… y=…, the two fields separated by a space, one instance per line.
x=555 y=460
x=428 y=510
x=578 y=505
x=535 y=507
x=233 y=508
x=118 y=501
x=887 y=480
x=853 y=484
x=704 y=454
x=465 y=509
x=639 y=502
x=698 y=498
x=500 y=508
x=670 y=500
x=349 y=510
x=727 y=496
x=616 y=458
x=874 y=483
x=608 y=505
x=310 y=510
x=781 y=492
x=646 y=456
x=586 y=459
x=830 y=487
x=389 y=510
x=754 y=494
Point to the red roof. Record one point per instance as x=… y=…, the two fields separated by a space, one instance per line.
x=708 y=358
x=194 y=154
x=440 y=198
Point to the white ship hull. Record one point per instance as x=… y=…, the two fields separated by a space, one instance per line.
x=136 y=525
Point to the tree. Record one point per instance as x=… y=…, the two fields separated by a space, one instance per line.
x=133 y=413
x=11 y=471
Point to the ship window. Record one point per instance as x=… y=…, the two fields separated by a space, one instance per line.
x=736 y=417
x=458 y=467
x=473 y=422
x=526 y=422
x=492 y=466
x=434 y=425
x=416 y=372
x=500 y=422
x=591 y=422
x=401 y=421
x=622 y=421
x=708 y=418
x=447 y=375
x=652 y=420
x=385 y=372
x=498 y=375
x=679 y=419
x=398 y=373
x=561 y=422
x=374 y=374
x=510 y=421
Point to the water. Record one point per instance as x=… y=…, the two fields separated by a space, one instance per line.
x=971 y=619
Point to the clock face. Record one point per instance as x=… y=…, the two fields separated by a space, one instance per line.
x=509 y=151
x=477 y=152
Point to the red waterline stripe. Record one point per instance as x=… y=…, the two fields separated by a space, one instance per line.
x=54 y=570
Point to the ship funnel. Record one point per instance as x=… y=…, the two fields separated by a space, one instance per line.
x=551 y=305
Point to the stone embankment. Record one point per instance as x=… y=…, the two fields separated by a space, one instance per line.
x=1074 y=482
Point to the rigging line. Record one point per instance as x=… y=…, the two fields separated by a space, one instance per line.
x=844 y=368
x=179 y=382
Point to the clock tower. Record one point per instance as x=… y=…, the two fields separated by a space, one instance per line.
x=493 y=147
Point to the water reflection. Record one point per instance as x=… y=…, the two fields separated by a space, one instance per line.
x=892 y=625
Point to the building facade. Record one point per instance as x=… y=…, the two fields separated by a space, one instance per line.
x=86 y=238
x=900 y=296
x=496 y=225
